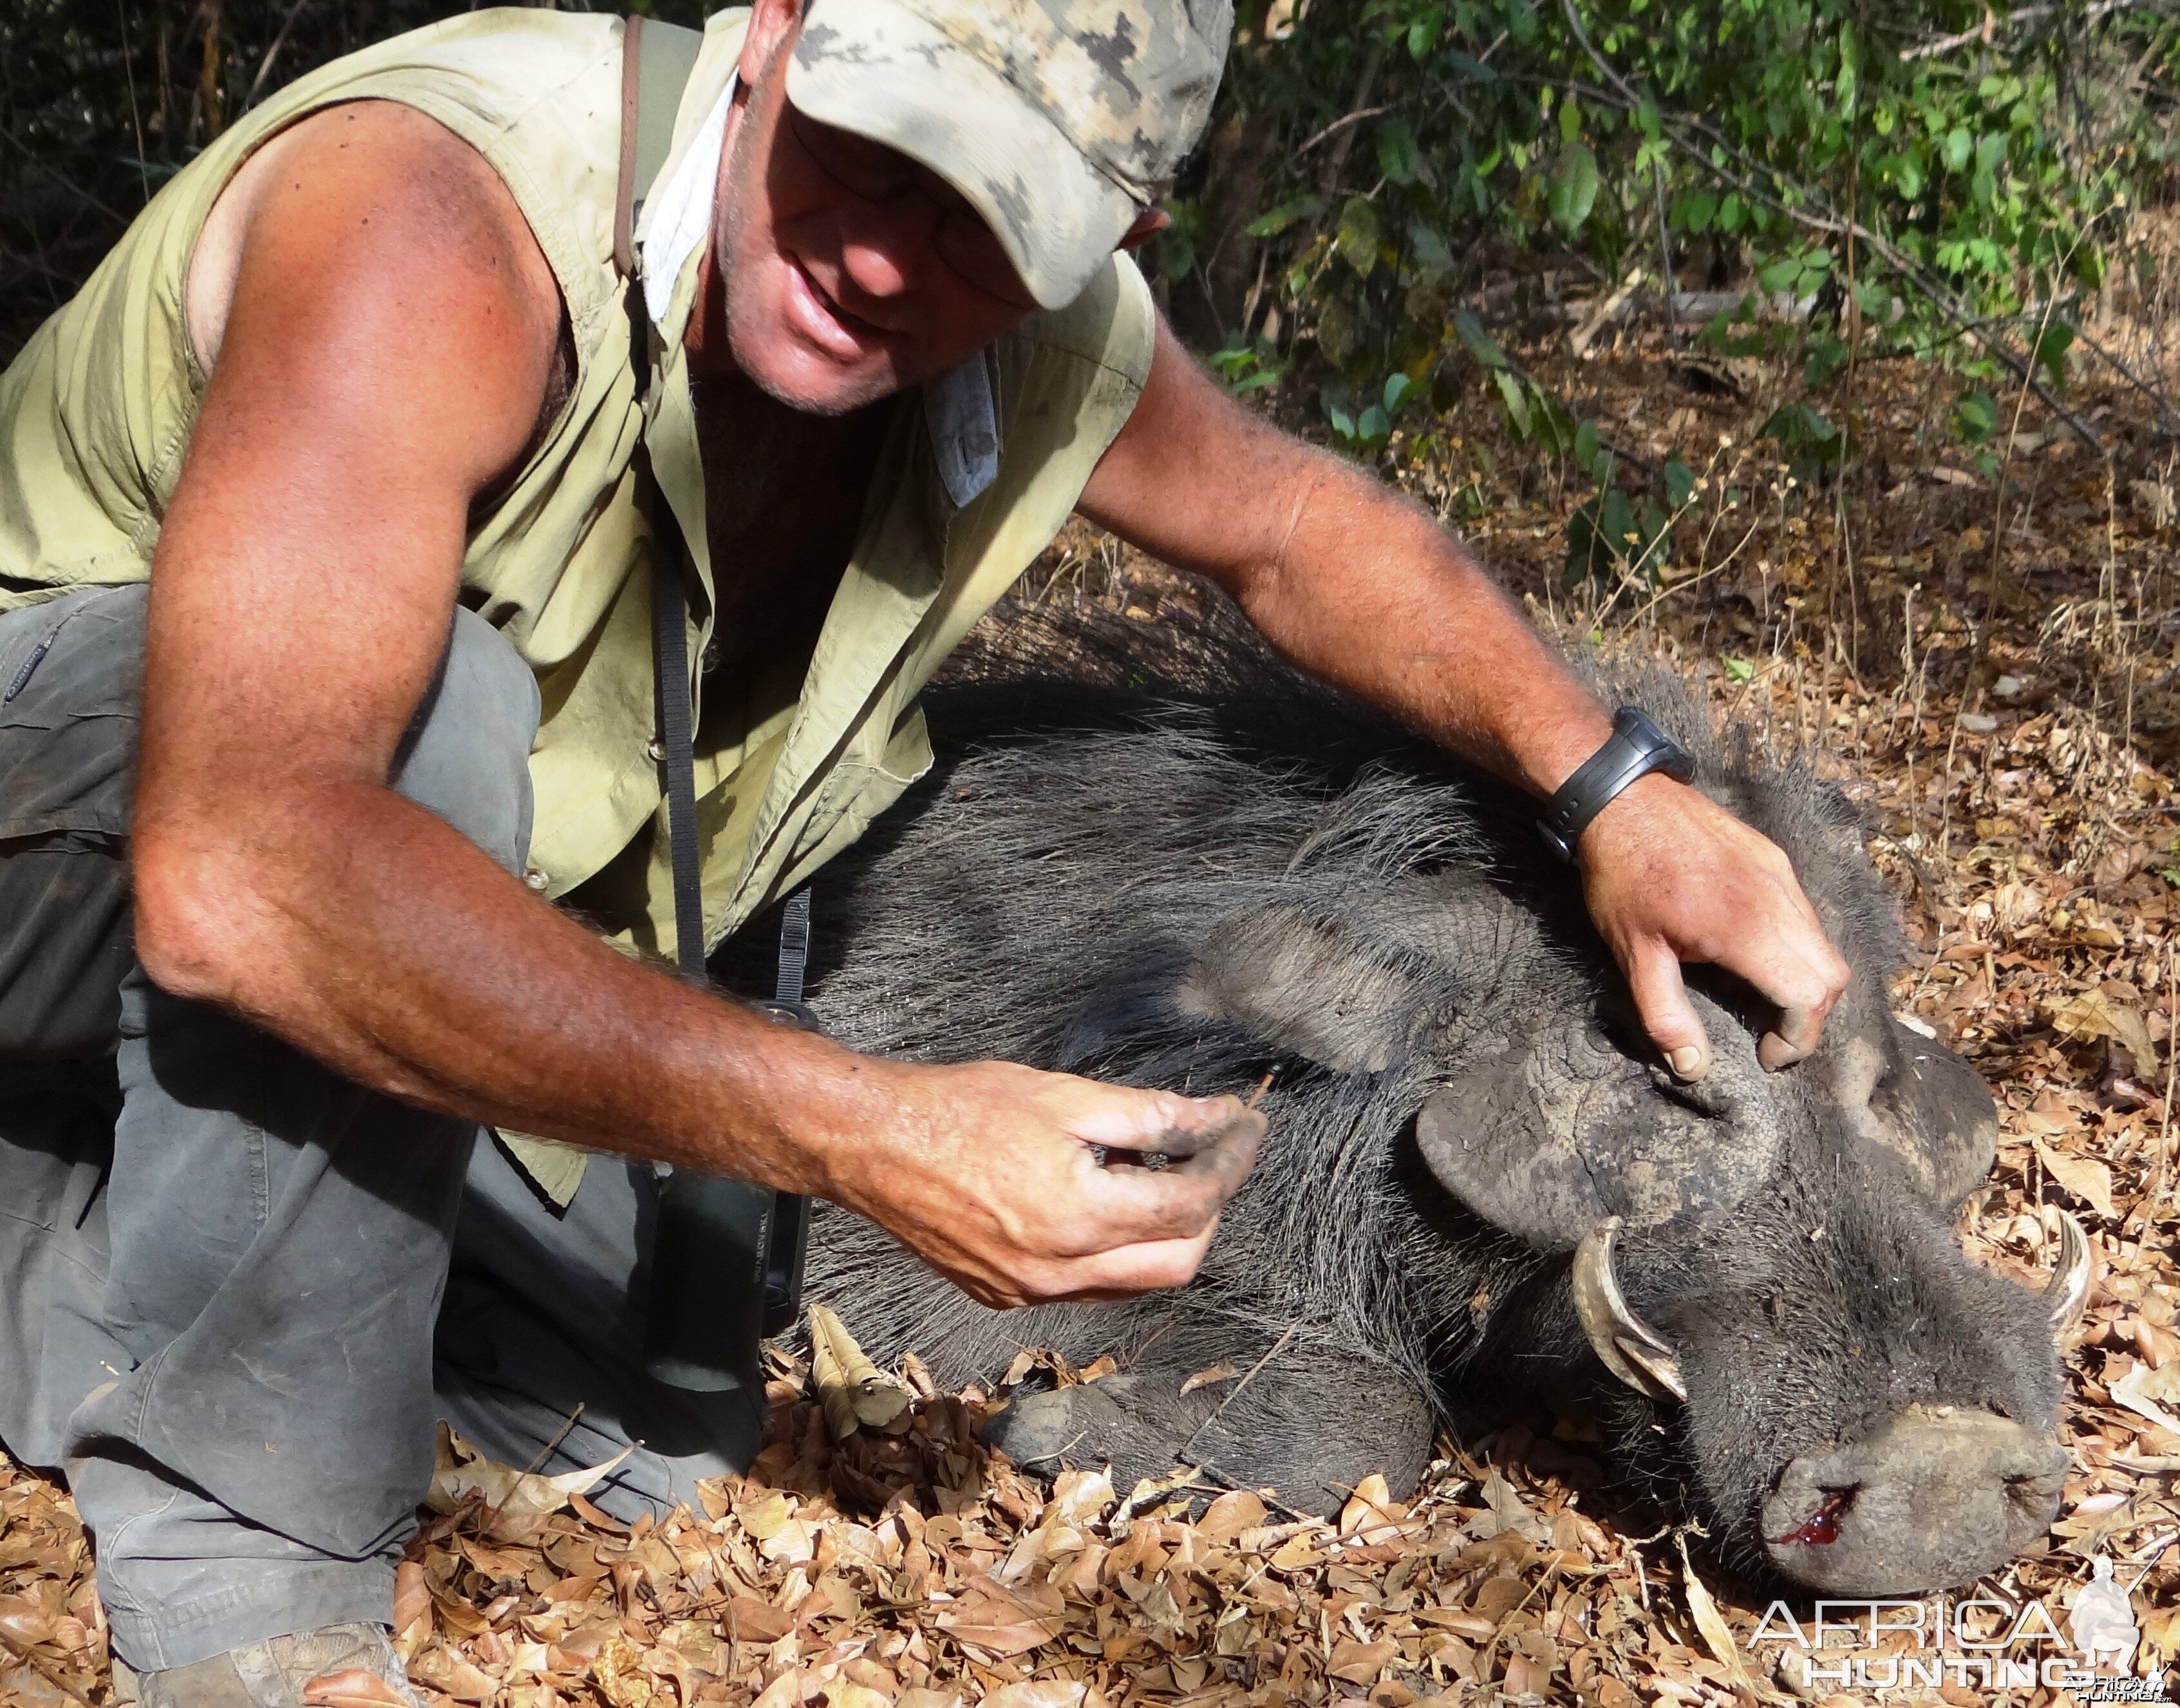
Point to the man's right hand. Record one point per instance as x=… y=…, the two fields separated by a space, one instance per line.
x=994 y=1179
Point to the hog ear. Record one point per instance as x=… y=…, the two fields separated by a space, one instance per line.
x=1562 y=1128
x=1312 y=980
x=1922 y=1102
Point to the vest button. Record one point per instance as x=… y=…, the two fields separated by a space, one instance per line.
x=536 y=878
x=656 y=749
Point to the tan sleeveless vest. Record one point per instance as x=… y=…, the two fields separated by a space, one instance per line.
x=795 y=757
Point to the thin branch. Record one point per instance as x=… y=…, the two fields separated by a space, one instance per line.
x=1980 y=32
x=1341 y=124
x=264 y=65
x=1992 y=22
x=1277 y=1347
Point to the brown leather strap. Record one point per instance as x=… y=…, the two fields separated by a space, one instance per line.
x=631 y=81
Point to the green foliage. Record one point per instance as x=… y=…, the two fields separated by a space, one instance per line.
x=1615 y=535
x=1245 y=367
x=1367 y=428
x=1400 y=141
x=1975 y=417
x=1816 y=449
x=101 y=105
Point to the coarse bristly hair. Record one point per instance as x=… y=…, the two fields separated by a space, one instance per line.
x=1129 y=824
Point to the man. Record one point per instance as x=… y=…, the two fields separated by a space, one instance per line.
x=358 y=398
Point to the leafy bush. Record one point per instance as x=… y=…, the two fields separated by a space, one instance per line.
x=1926 y=177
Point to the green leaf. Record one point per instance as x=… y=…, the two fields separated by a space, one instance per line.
x=1397 y=158
x=1616 y=522
x=2050 y=354
x=1780 y=274
x=1827 y=356
x=1680 y=483
x=1574 y=189
x=1285 y=214
x=1569 y=123
x=1975 y=417
x=1990 y=150
x=1342 y=423
x=1739 y=671
x=1511 y=393
x=1423 y=31
x=1478 y=342
x=1556 y=428
x=1399 y=388
x=1695 y=211
x=1585 y=449
x=1959 y=146
x=1372 y=426
x=1356 y=238
x=1433 y=259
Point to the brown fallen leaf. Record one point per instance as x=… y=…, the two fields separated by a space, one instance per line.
x=2095 y=1014
x=854 y=1392
x=412 y=1597
x=462 y=1471
x=2088 y=1179
x=1360 y=1663
x=1710 y=1623
x=2150 y=1393
x=1038 y=1693
x=1220 y=1372
x=351 y=1688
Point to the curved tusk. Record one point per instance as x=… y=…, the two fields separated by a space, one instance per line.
x=1630 y=1348
x=2067 y=1292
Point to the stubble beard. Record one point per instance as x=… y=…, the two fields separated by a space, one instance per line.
x=730 y=242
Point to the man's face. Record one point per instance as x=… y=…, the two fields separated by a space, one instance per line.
x=834 y=297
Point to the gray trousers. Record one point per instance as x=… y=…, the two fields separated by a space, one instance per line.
x=237 y=1290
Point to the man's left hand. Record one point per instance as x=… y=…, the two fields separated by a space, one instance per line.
x=1672 y=877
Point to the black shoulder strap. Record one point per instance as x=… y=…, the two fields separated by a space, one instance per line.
x=707 y=1227
x=656 y=61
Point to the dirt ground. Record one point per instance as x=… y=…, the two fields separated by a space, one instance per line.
x=1982 y=644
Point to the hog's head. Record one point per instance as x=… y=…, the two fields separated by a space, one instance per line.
x=1764 y=1263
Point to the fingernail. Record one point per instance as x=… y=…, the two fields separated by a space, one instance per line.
x=1686 y=1062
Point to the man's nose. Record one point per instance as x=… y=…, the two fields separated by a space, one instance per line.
x=886 y=246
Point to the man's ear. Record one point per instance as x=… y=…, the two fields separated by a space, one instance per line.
x=1149 y=223
x=773 y=23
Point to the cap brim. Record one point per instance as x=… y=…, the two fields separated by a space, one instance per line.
x=877 y=69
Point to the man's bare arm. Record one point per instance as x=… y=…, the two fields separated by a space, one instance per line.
x=1365 y=589
x=384 y=357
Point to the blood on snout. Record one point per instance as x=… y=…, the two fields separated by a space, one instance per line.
x=1821 y=1526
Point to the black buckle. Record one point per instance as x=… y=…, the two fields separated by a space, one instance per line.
x=1635 y=748
x=789 y=1012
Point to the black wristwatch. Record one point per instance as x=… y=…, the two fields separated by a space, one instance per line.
x=1636 y=747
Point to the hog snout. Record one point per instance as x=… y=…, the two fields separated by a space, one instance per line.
x=1932 y=1499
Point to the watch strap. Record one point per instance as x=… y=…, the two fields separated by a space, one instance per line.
x=1636 y=747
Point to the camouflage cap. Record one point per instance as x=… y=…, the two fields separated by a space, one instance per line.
x=1060 y=121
